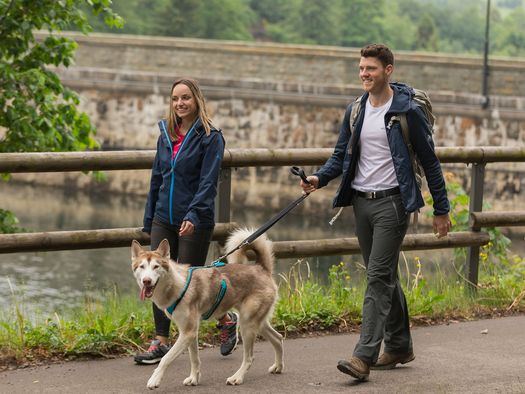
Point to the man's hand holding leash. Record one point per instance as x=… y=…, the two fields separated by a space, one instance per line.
x=311 y=186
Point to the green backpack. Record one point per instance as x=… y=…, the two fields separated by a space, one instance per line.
x=421 y=98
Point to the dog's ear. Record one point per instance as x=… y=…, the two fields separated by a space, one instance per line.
x=135 y=249
x=164 y=249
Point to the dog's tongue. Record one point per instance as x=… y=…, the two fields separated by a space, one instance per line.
x=143 y=293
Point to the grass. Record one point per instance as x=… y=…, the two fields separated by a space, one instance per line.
x=117 y=324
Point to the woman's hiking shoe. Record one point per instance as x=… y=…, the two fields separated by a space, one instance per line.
x=390 y=360
x=154 y=353
x=229 y=334
x=356 y=368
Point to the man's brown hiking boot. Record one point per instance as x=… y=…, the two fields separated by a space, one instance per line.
x=356 y=368
x=390 y=360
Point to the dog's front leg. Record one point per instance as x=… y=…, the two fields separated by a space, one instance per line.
x=195 y=374
x=182 y=344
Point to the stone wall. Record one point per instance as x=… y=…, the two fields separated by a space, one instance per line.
x=284 y=96
x=125 y=107
x=285 y=63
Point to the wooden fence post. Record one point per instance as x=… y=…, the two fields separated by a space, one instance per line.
x=476 y=205
x=222 y=206
x=222 y=202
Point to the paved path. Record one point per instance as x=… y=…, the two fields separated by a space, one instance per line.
x=455 y=358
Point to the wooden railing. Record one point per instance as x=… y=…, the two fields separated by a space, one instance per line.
x=132 y=160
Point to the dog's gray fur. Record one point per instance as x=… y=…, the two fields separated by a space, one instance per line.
x=251 y=291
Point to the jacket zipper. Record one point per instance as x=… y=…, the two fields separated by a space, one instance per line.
x=173 y=163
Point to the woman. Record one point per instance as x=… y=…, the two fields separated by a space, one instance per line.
x=180 y=205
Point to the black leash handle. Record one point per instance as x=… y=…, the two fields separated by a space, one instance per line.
x=300 y=173
x=261 y=230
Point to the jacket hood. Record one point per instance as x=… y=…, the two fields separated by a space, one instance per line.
x=163 y=126
x=402 y=97
x=402 y=100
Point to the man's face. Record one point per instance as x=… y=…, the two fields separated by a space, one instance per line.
x=374 y=75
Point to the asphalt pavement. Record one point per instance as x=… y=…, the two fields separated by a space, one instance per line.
x=484 y=356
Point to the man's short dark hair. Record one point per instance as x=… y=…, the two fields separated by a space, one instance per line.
x=379 y=51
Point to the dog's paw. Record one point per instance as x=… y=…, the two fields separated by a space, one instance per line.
x=154 y=381
x=276 y=368
x=153 y=384
x=235 y=380
x=192 y=380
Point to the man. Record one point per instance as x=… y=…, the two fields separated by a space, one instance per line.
x=378 y=180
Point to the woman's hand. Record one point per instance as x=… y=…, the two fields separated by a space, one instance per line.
x=186 y=228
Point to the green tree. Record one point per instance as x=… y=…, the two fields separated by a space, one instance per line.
x=361 y=22
x=271 y=10
x=319 y=22
x=509 y=36
x=284 y=19
x=309 y=22
x=427 y=35
x=269 y=15
x=217 y=19
x=139 y=16
x=37 y=113
x=460 y=25
x=398 y=30
x=447 y=25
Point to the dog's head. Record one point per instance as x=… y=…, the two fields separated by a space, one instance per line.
x=149 y=266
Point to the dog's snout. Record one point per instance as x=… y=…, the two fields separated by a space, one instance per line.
x=146 y=281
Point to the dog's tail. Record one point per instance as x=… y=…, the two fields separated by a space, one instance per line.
x=262 y=247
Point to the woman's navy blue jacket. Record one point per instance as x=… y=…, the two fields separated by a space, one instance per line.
x=343 y=162
x=184 y=188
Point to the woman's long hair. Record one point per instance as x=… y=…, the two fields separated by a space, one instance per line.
x=174 y=121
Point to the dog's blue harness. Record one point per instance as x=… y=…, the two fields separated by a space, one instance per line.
x=218 y=298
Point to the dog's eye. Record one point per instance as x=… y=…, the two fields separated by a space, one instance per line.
x=156 y=267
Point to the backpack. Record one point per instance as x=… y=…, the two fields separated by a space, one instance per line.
x=423 y=101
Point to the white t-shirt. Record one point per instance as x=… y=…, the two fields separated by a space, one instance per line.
x=375 y=169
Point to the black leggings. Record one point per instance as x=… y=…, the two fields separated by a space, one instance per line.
x=190 y=249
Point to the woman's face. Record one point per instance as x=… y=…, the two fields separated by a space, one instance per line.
x=183 y=102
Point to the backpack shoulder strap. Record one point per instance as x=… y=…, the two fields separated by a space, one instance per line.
x=354 y=114
x=356 y=108
x=406 y=137
x=405 y=132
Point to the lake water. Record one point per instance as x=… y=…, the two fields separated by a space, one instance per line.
x=51 y=281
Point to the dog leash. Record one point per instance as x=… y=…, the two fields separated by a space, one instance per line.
x=266 y=226
x=220 y=263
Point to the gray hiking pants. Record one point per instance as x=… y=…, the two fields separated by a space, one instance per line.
x=381 y=225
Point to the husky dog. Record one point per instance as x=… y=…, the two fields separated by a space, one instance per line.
x=247 y=288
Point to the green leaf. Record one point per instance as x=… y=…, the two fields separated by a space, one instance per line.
x=36 y=111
